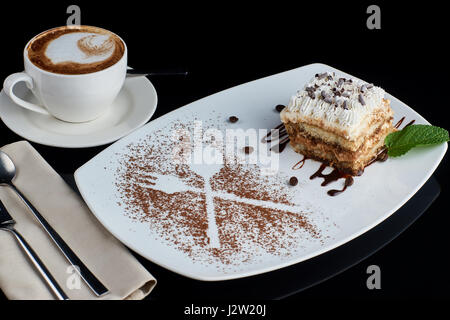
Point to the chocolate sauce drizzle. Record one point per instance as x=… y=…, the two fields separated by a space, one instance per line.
x=282 y=132
x=300 y=164
x=409 y=123
x=381 y=157
x=383 y=154
x=331 y=177
x=399 y=123
x=280 y=146
x=328 y=178
x=283 y=138
x=348 y=183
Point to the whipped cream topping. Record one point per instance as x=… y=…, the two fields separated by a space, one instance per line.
x=340 y=102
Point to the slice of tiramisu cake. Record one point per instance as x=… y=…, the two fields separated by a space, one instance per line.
x=340 y=121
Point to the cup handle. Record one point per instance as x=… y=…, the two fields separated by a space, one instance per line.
x=9 y=84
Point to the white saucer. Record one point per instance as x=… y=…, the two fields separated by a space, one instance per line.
x=132 y=108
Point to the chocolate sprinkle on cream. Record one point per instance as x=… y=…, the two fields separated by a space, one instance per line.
x=322 y=75
x=328 y=100
x=361 y=100
x=344 y=105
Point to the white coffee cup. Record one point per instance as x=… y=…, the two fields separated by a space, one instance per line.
x=69 y=97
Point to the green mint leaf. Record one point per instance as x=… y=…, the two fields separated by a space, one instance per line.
x=400 y=142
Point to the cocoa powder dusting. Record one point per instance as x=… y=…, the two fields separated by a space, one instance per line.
x=245 y=181
x=180 y=217
x=273 y=231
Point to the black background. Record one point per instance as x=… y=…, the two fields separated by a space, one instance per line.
x=224 y=43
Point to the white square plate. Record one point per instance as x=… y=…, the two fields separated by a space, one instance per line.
x=267 y=244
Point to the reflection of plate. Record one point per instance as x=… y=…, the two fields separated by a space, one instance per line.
x=182 y=230
x=132 y=108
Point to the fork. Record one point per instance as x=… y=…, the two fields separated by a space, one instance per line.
x=7 y=223
x=171 y=184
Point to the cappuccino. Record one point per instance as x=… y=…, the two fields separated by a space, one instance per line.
x=75 y=50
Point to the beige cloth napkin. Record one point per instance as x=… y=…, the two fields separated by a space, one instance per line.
x=66 y=212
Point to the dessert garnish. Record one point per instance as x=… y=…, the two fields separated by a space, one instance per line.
x=400 y=142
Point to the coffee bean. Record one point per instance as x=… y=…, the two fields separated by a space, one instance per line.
x=233 y=119
x=248 y=149
x=293 y=181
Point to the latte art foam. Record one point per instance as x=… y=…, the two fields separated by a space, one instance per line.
x=75 y=50
x=96 y=45
x=80 y=47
